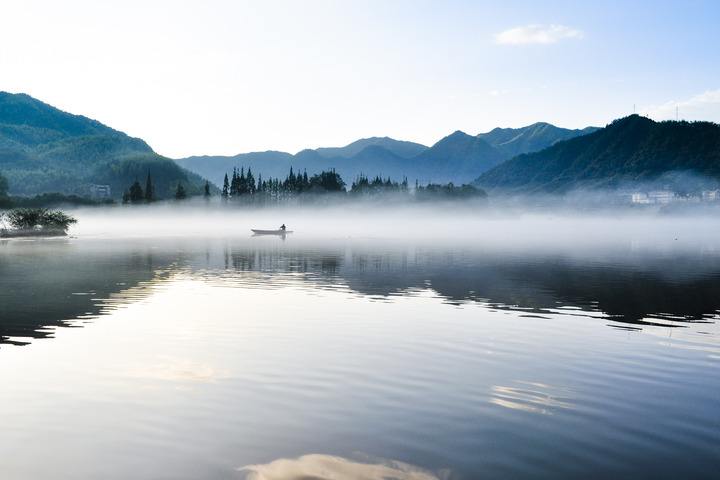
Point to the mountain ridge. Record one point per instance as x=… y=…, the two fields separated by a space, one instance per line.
x=458 y=157
x=44 y=149
x=628 y=151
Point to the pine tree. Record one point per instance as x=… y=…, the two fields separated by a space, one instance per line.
x=250 y=181
x=136 y=193
x=3 y=186
x=180 y=192
x=149 y=189
x=242 y=182
x=226 y=188
x=207 y=189
x=234 y=183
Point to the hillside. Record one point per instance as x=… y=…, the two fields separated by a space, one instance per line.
x=629 y=151
x=457 y=158
x=533 y=138
x=43 y=149
x=400 y=148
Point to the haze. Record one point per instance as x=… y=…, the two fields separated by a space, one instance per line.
x=452 y=225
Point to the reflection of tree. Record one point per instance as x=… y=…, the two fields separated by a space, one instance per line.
x=631 y=291
x=47 y=285
x=44 y=286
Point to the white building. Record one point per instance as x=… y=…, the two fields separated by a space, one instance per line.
x=100 y=191
x=656 y=197
x=711 y=195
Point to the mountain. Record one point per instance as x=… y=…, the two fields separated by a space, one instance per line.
x=400 y=148
x=533 y=138
x=456 y=158
x=43 y=149
x=629 y=151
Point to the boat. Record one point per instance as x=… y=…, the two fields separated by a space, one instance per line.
x=270 y=232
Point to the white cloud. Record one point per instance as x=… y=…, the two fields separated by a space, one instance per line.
x=536 y=34
x=704 y=106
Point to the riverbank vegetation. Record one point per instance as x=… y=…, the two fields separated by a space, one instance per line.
x=35 y=222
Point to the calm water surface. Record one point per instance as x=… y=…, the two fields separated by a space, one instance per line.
x=269 y=359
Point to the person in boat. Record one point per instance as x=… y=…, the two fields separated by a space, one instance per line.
x=282 y=227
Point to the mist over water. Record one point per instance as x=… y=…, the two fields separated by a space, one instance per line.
x=452 y=341
x=451 y=223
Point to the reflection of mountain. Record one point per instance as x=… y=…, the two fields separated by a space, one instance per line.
x=48 y=284
x=633 y=291
x=51 y=284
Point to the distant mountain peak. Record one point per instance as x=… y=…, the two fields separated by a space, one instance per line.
x=531 y=138
x=400 y=148
x=629 y=151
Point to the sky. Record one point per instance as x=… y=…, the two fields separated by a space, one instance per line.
x=225 y=77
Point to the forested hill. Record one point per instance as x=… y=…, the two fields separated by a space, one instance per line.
x=533 y=138
x=630 y=150
x=43 y=149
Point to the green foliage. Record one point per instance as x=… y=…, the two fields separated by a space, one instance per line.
x=149 y=189
x=436 y=192
x=180 y=193
x=363 y=186
x=327 y=182
x=32 y=218
x=134 y=194
x=43 y=149
x=54 y=199
x=3 y=186
x=629 y=150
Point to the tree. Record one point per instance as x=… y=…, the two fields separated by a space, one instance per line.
x=3 y=186
x=31 y=218
x=180 y=192
x=136 y=193
x=207 y=189
x=234 y=183
x=149 y=189
x=226 y=188
x=327 y=181
x=250 y=182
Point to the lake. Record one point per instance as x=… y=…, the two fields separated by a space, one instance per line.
x=538 y=350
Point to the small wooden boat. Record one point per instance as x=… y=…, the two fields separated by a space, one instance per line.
x=270 y=232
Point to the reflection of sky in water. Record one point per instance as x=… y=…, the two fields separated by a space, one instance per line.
x=530 y=397
x=196 y=358
x=327 y=467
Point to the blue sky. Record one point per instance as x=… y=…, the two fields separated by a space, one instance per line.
x=223 y=77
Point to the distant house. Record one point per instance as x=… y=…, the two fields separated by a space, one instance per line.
x=656 y=197
x=661 y=196
x=711 y=195
x=639 y=198
x=100 y=191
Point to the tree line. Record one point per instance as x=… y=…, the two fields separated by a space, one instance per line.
x=241 y=184
x=136 y=194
